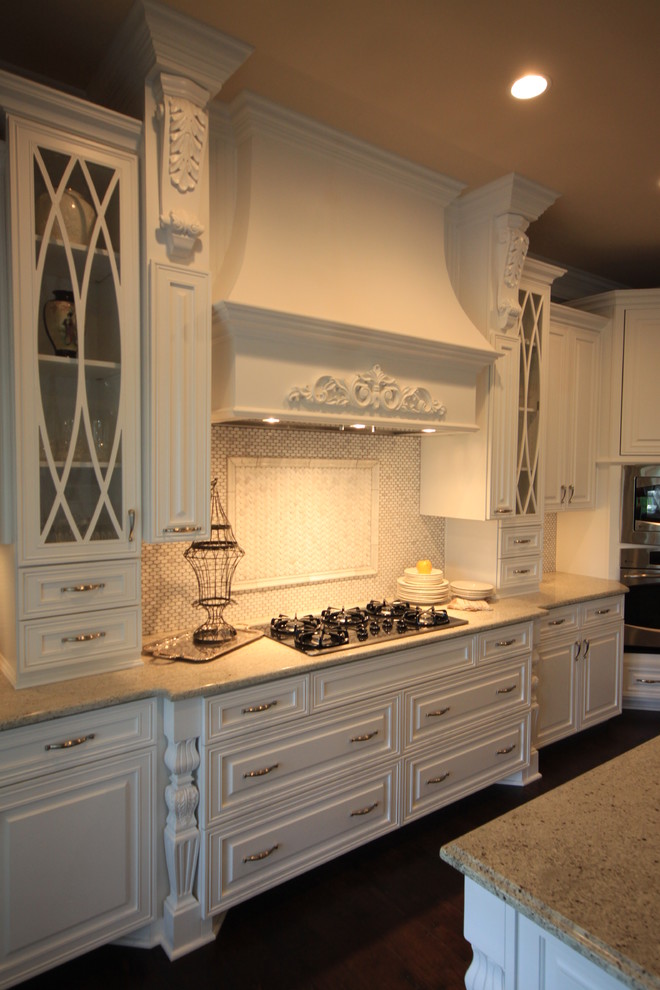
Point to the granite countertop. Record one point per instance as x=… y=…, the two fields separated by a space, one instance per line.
x=583 y=862
x=264 y=660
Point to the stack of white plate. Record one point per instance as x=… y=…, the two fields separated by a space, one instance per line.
x=423 y=589
x=471 y=590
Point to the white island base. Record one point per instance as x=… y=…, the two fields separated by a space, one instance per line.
x=512 y=952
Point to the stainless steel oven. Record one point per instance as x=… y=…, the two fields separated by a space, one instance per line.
x=640 y=572
x=640 y=504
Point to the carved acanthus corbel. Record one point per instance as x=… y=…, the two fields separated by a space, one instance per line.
x=183 y=122
x=511 y=250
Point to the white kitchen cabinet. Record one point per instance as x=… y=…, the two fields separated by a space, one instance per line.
x=298 y=771
x=77 y=835
x=74 y=378
x=573 y=355
x=580 y=667
x=630 y=422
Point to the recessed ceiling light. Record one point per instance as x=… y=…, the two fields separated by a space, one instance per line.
x=529 y=86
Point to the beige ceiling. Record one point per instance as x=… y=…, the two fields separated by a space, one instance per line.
x=429 y=79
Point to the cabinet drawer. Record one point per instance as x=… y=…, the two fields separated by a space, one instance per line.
x=263 y=705
x=520 y=573
x=37 y=749
x=519 y=541
x=466 y=765
x=641 y=679
x=558 y=621
x=78 y=643
x=595 y=613
x=323 y=748
x=441 y=708
x=366 y=677
x=269 y=850
x=506 y=641
x=53 y=590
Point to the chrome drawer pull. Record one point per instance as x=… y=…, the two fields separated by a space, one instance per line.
x=255 y=857
x=505 y=642
x=364 y=811
x=258 y=708
x=507 y=749
x=67 y=744
x=83 y=587
x=602 y=611
x=557 y=622
x=366 y=737
x=440 y=711
x=83 y=637
x=527 y=540
x=182 y=529
x=522 y=570
x=647 y=680
x=439 y=780
x=506 y=690
x=260 y=773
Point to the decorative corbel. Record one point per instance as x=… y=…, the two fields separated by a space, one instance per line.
x=184 y=127
x=510 y=252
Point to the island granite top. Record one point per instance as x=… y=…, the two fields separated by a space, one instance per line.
x=583 y=862
x=264 y=660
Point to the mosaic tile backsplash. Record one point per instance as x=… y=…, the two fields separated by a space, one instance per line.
x=365 y=487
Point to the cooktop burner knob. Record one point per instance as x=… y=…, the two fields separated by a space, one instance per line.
x=387 y=624
x=362 y=633
x=374 y=628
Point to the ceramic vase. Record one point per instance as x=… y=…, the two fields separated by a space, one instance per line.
x=60 y=323
x=77 y=213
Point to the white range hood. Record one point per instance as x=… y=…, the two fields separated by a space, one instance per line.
x=333 y=301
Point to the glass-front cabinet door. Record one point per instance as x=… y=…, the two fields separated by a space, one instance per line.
x=75 y=222
x=528 y=463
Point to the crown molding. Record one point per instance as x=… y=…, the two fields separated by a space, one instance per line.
x=154 y=39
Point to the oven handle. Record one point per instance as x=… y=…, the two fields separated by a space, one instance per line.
x=631 y=578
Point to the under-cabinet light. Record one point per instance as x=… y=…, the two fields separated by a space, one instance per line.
x=270 y=419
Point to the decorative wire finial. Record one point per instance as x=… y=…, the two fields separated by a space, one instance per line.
x=214 y=562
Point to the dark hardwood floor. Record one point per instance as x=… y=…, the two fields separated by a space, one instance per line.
x=386 y=916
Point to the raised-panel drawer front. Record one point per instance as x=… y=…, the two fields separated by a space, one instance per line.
x=467 y=764
x=595 y=613
x=269 y=849
x=641 y=680
x=353 y=680
x=519 y=541
x=443 y=708
x=77 y=587
x=558 y=621
x=323 y=748
x=66 y=646
x=44 y=747
x=520 y=573
x=506 y=641
x=264 y=705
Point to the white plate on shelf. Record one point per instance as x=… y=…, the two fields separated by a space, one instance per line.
x=472 y=590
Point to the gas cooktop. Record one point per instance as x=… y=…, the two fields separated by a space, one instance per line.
x=345 y=628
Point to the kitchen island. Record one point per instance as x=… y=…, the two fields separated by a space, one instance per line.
x=564 y=890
